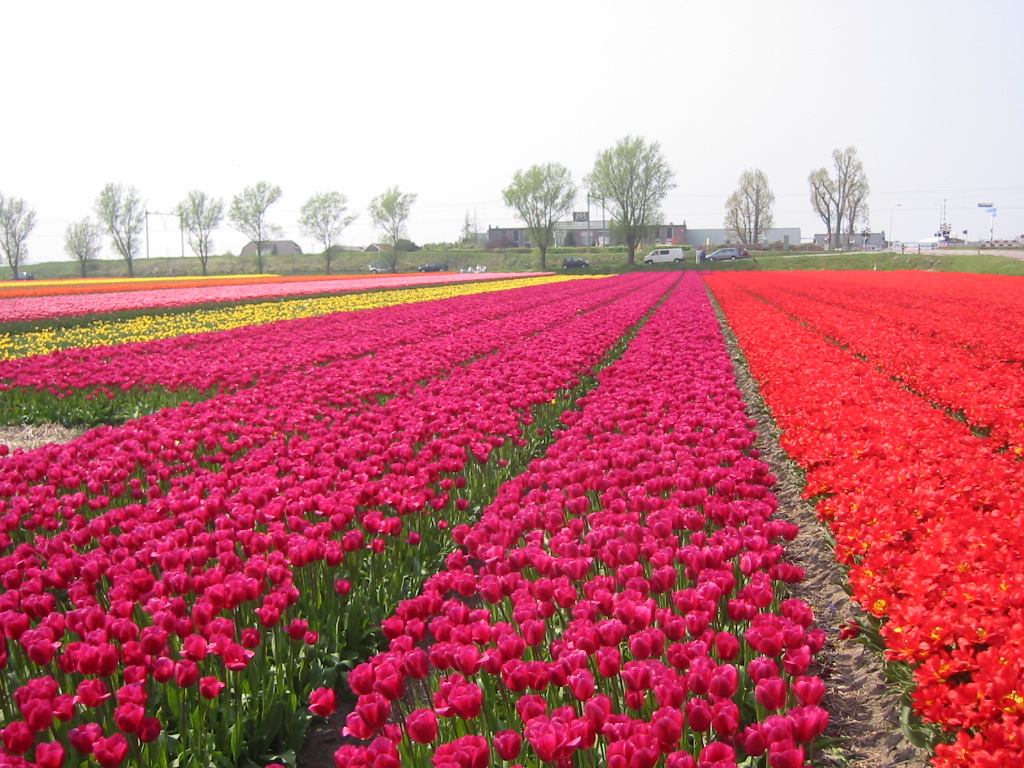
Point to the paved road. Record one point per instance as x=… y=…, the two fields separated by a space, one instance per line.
x=974 y=252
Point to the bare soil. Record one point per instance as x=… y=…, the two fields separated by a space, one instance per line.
x=28 y=436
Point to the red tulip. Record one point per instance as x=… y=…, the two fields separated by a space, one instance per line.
x=581 y=683
x=808 y=722
x=323 y=702
x=770 y=693
x=531 y=706
x=667 y=723
x=92 y=692
x=49 y=754
x=808 y=690
x=149 y=730
x=508 y=744
x=698 y=715
x=785 y=755
x=17 y=737
x=421 y=725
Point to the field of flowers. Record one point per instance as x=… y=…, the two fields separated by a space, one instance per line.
x=901 y=396
x=515 y=523
x=552 y=482
x=66 y=298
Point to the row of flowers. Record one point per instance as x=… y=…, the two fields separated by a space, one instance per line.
x=59 y=287
x=112 y=330
x=167 y=584
x=21 y=309
x=970 y=361
x=621 y=603
x=925 y=514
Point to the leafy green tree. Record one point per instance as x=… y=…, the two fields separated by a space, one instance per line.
x=633 y=178
x=17 y=221
x=389 y=211
x=323 y=217
x=200 y=215
x=748 y=211
x=541 y=195
x=248 y=214
x=122 y=214
x=82 y=242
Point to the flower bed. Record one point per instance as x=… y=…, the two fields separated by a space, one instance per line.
x=41 y=338
x=620 y=603
x=71 y=385
x=925 y=514
x=67 y=287
x=167 y=584
x=20 y=309
x=968 y=360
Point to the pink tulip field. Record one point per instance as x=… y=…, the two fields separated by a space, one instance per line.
x=524 y=528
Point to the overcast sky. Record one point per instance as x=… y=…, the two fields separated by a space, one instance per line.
x=449 y=99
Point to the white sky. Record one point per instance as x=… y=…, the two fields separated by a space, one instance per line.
x=448 y=99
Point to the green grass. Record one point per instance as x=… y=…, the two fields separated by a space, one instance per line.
x=602 y=261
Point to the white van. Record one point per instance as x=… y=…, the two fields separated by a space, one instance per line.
x=664 y=256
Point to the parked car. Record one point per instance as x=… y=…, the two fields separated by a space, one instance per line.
x=664 y=256
x=433 y=268
x=26 y=276
x=724 y=254
x=380 y=266
x=574 y=261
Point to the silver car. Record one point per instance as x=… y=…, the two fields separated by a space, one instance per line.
x=725 y=254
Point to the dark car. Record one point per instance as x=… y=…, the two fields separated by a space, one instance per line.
x=730 y=253
x=433 y=268
x=380 y=266
x=26 y=276
x=574 y=261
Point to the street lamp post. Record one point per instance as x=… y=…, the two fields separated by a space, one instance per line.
x=891 y=212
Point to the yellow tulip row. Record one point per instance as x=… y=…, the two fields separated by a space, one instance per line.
x=150 y=327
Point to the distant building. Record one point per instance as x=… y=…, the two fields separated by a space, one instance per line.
x=874 y=241
x=272 y=248
x=585 y=233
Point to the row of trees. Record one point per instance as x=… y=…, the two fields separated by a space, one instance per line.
x=632 y=177
x=839 y=197
x=121 y=215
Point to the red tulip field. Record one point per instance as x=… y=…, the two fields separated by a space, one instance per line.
x=510 y=522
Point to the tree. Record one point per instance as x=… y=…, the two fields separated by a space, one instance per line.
x=82 y=242
x=122 y=214
x=389 y=212
x=822 y=197
x=633 y=178
x=840 y=198
x=468 y=234
x=541 y=195
x=200 y=215
x=17 y=221
x=748 y=211
x=857 y=204
x=323 y=218
x=248 y=214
